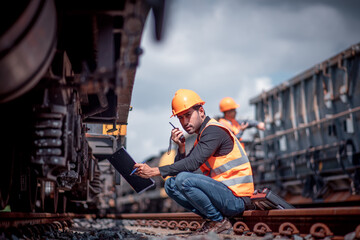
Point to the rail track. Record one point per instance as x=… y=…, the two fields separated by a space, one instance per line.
x=316 y=223
x=311 y=223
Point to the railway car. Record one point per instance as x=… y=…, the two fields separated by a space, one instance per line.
x=310 y=150
x=63 y=66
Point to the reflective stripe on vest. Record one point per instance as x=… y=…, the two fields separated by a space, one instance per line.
x=239 y=180
x=233 y=169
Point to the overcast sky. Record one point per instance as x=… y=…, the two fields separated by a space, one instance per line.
x=235 y=48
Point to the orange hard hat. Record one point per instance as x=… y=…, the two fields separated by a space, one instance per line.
x=183 y=100
x=227 y=104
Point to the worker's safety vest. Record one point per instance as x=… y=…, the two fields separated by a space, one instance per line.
x=233 y=169
x=232 y=124
x=234 y=127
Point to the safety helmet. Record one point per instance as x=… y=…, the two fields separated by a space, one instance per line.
x=227 y=104
x=183 y=100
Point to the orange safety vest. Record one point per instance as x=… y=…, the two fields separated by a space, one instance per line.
x=233 y=125
x=233 y=170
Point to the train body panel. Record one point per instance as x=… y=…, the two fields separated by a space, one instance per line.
x=311 y=144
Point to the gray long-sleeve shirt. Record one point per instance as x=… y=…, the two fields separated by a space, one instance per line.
x=213 y=141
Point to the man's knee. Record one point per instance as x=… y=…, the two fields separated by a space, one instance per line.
x=175 y=182
x=181 y=177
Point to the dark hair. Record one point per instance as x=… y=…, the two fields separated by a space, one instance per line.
x=197 y=107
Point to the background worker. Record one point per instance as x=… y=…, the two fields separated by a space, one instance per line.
x=228 y=106
x=226 y=182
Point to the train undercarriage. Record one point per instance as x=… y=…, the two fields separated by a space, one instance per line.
x=64 y=66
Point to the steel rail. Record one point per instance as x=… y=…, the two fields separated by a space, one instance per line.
x=334 y=223
x=317 y=223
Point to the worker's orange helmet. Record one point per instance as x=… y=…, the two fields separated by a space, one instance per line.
x=227 y=104
x=183 y=100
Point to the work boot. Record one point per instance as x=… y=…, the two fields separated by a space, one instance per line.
x=216 y=227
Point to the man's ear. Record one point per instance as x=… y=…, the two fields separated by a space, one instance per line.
x=202 y=112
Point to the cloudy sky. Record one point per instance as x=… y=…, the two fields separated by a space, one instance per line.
x=235 y=48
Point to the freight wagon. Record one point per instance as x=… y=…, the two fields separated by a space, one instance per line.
x=310 y=150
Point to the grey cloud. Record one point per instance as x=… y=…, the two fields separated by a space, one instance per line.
x=219 y=48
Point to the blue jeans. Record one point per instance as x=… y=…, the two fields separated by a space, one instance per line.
x=204 y=196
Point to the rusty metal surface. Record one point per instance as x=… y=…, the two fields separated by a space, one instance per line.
x=340 y=221
x=317 y=223
x=331 y=223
